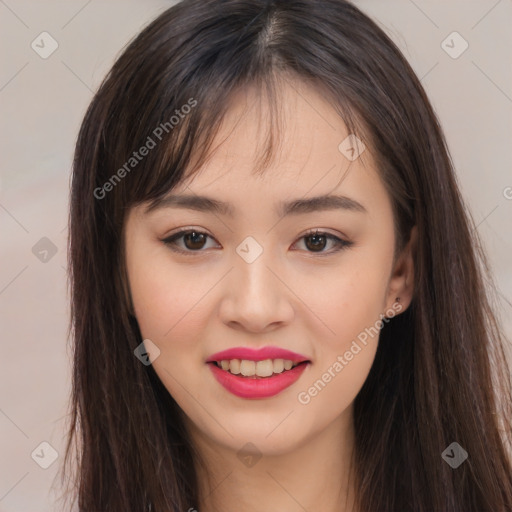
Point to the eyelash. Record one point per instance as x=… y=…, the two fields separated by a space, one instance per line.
x=340 y=244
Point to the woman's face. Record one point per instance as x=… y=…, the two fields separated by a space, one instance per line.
x=255 y=277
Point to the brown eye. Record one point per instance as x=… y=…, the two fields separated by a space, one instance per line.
x=194 y=240
x=318 y=242
x=191 y=241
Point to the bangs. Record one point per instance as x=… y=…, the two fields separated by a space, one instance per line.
x=183 y=152
x=172 y=102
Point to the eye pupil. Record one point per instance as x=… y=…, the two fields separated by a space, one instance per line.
x=194 y=236
x=319 y=243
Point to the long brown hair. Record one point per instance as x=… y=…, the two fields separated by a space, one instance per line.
x=440 y=372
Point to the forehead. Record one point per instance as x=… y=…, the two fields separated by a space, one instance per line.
x=310 y=139
x=316 y=165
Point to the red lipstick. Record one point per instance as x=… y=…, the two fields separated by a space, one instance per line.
x=261 y=354
x=255 y=387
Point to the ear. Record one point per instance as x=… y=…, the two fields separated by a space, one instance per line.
x=401 y=282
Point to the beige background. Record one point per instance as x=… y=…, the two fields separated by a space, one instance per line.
x=42 y=102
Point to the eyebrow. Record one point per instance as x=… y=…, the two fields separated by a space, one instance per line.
x=284 y=208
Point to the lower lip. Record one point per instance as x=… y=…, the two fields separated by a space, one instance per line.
x=247 y=387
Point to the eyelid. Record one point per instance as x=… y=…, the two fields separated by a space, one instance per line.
x=340 y=242
x=169 y=240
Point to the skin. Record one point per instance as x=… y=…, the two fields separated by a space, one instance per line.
x=314 y=303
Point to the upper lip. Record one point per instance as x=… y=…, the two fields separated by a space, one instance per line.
x=252 y=354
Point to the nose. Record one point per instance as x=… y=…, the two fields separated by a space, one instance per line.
x=257 y=297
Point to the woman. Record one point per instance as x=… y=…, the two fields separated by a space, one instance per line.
x=278 y=301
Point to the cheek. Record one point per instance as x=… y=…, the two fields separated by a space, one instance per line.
x=359 y=309
x=350 y=305
x=155 y=308
x=345 y=300
x=173 y=306
x=170 y=313
x=166 y=299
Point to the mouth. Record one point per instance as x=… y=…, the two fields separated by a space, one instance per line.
x=264 y=369
x=255 y=380
x=252 y=373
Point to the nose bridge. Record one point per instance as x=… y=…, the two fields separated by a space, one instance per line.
x=255 y=298
x=252 y=275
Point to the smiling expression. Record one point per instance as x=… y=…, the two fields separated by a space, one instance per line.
x=300 y=258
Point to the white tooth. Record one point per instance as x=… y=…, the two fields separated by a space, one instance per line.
x=264 y=368
x=278 y=365
x=247 y=368
x=234 y=366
